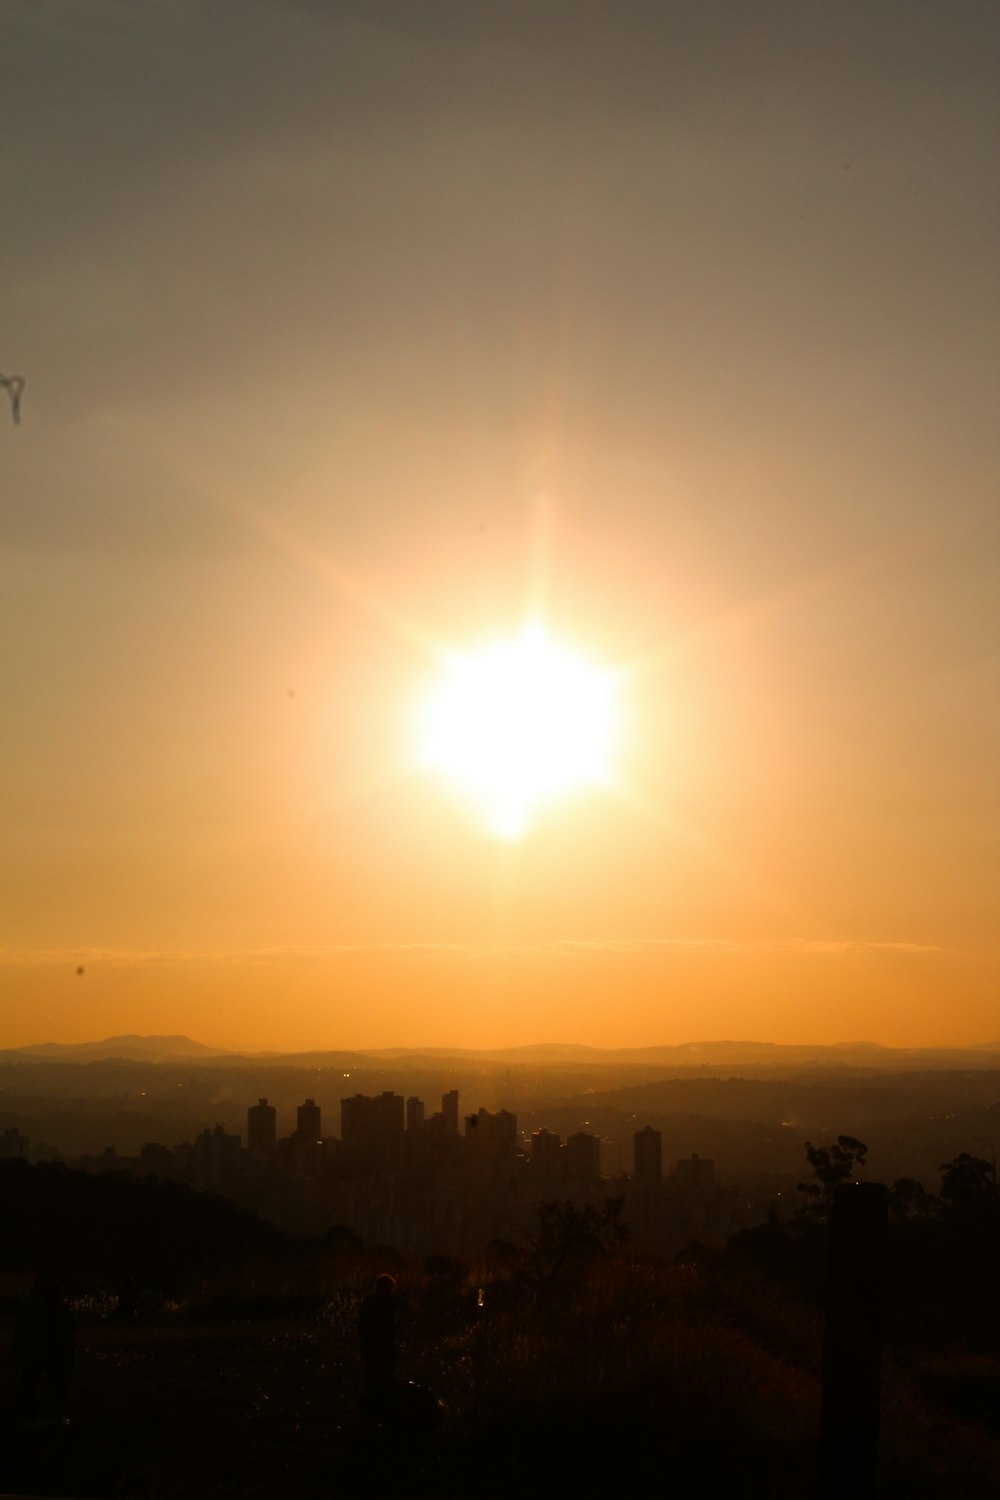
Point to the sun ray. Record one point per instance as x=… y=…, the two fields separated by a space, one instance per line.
x=773 y=602
x=314 y=561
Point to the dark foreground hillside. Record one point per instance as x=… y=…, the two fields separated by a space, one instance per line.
x=587 y=1373
x=634 y=1379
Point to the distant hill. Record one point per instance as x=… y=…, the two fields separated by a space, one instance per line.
x=130 y=1048
x=704 y=1057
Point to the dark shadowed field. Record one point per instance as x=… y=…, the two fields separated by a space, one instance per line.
x=636 y=1374
x=186 y=1406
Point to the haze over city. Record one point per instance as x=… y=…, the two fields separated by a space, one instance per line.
x=500 y=544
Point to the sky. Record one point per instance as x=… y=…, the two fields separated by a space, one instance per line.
x=357 y=334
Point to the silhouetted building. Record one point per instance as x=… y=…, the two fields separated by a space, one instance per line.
x=438 y=1131
x=12 y=1143
x=414 y=1113
x=216 y=1160
x=354 y=1121
x=648 y=1157
x=262 y=1128
x=545 y=1147
x=309 y=1121
x=107 y=1160
x=491 y=1138
x=547 y=1164
x=700 y=1208
x=156 y=1160
x=505 y=1131
x=695 y=1174
x=402 y=1178
x=583 y=1157
x=373 y=1129
x=389 y=1116
x=309 y=1157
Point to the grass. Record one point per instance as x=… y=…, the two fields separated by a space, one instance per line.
x=594 y=1382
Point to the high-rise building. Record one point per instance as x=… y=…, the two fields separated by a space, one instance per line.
x=492 y=1138
x=449 y=1108
x=389 y=1118
x=373 y=1128
x=216 y=1160
x=156 y=1160
x=648 y=1156
x=13 y=1143
x=262 y=1128
x=583 y=1157
x=308 y=1117
x=505 y=1131
x=545 y=1147
x=414 y=1113
x=354 y=1121
x=695 y=1174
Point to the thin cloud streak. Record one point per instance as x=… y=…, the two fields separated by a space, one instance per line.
x=555 y=948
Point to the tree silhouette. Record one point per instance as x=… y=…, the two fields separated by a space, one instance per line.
x=971 y=1196
x=968 y=1179
x=570 y=1233
x=831 y=1166
x=909 y=1200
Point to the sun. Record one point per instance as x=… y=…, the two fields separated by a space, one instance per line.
x=516 y=723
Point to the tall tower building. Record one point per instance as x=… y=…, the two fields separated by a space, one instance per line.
x=216 y=1160
x=491 y=1139
x=354 y=1120
x=648 y=1157
x=414 y=1113
x=308 y=1119
x=583 y=1157
x=262 y=1128
x=388 y=1116
x=449 y=1108
x=696 y=1174
x=505 y=1132
x=12 y=1143
x=545 y=1147
x=374 y=1127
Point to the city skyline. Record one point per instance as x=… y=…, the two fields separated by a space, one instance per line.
x=433 y=1182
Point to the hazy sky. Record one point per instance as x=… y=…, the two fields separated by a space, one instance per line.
x=350 y=330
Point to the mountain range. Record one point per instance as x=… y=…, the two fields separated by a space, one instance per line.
x=700 y=1056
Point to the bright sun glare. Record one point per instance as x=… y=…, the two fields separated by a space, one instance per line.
x=516 y=723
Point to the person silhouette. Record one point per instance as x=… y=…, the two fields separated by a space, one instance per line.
x=381 y=1319
x=30 y=1347
x=127 y=1295
x=60 y=1359
x=44 y=1344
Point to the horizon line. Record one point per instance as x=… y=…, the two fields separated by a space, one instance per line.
x=387 y=1052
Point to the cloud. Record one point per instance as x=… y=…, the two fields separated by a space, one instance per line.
x=470 y=952
x=733 y=946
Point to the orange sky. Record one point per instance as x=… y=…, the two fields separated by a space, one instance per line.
x=682 y=330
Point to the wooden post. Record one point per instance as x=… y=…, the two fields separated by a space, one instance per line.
x=852 y=1342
